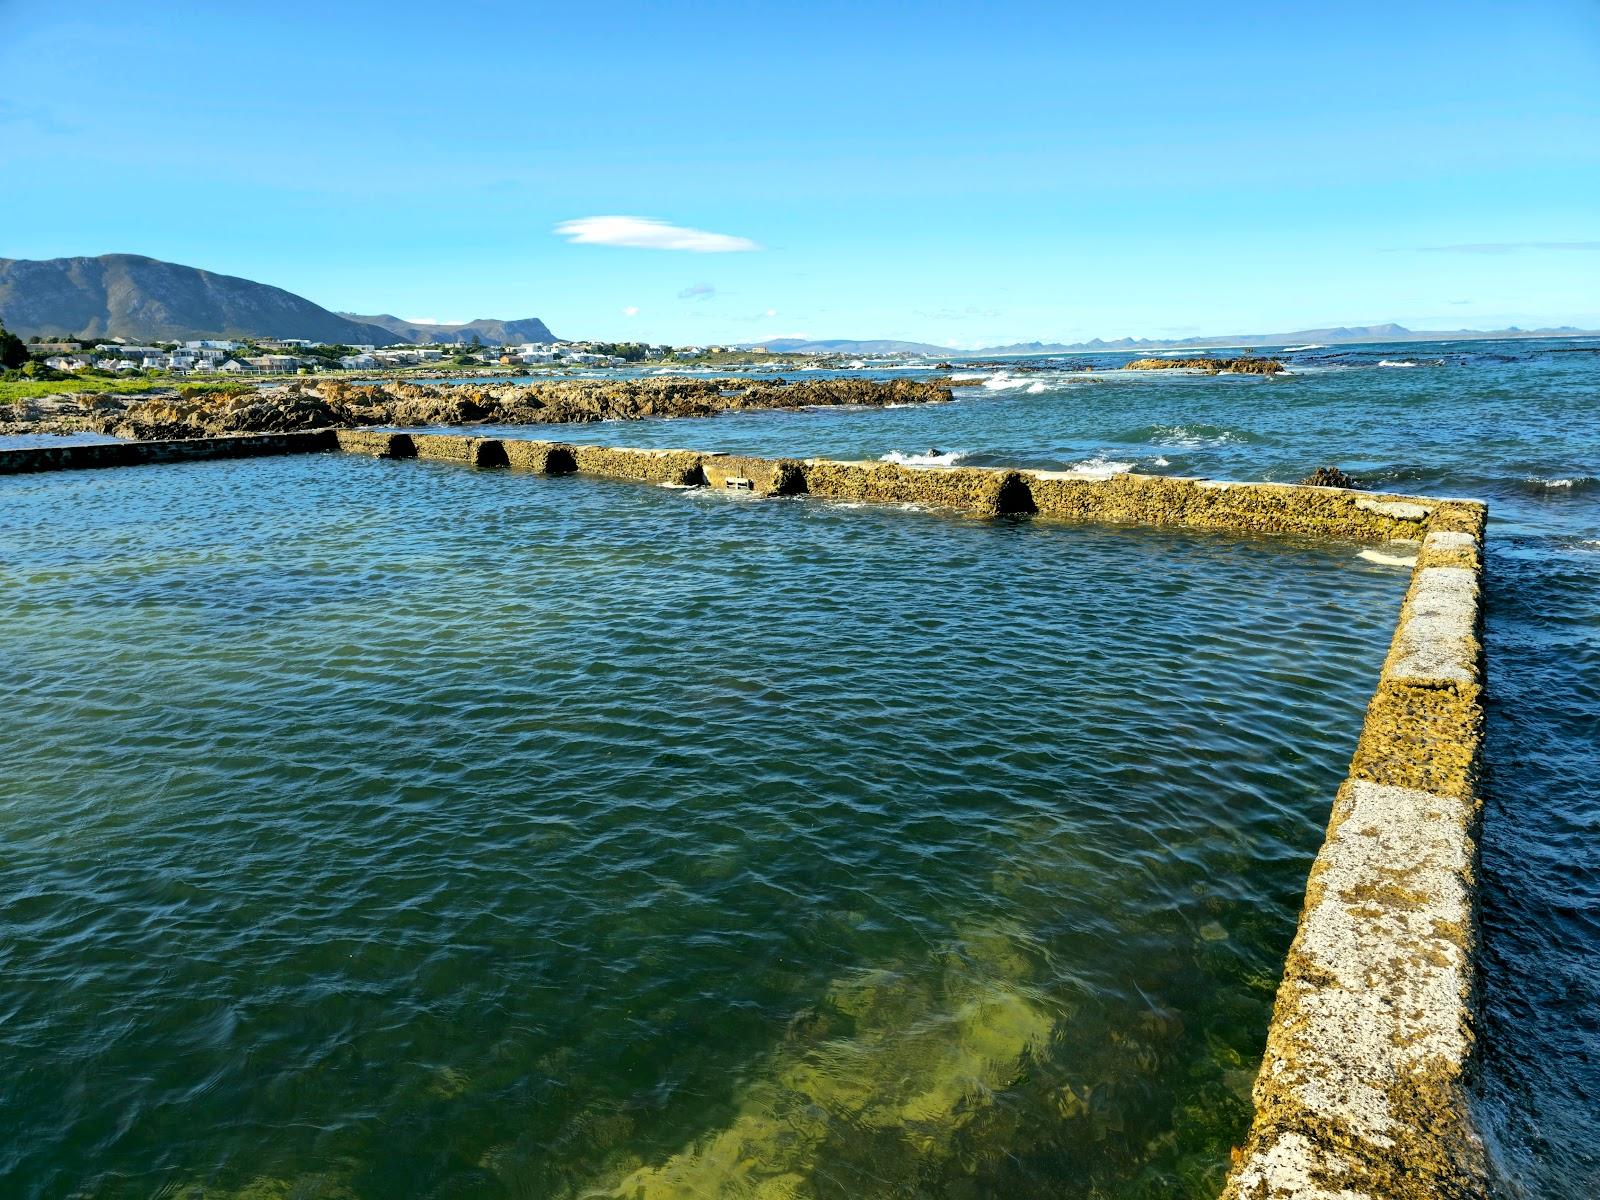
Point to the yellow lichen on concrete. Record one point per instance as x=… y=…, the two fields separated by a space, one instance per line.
x=1361 y=1093
x=979 y=491
x=451 y=447
x=1212 y=504
x=375 y=443
x=547 y=458
x=761 y=476
x=680 y=467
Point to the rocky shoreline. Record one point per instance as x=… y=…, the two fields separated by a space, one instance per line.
x=335 y=404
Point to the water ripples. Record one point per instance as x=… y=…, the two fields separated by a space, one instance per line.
x=382 y=829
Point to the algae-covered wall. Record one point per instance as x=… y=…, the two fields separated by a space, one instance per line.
x=74 y=456
x=1363 y=1086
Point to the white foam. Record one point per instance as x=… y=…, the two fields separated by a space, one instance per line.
x=1551 y=483
x=1388 y=560
x=1099 y=467
x=1307 y=346
x=1005 y=383
x=1384 y=362
x=1035 y=388
x=970 y=375
x=932 y=458
x=1160 y=462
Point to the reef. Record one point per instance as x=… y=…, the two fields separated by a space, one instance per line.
x=339 y=405
x=1244 y=365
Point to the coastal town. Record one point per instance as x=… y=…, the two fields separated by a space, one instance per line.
x=300 y=356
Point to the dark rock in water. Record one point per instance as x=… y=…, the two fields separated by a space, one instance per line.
x=1331 y=477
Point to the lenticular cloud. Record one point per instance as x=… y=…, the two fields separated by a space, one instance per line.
x=650 y=234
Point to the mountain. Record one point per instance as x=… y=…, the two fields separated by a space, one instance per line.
x=488 y=331
x=847 y=346
x=130 y=296
x=1332 y=336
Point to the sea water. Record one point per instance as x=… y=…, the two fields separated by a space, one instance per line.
x=382 y=829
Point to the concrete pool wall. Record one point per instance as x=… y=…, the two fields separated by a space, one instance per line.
x=1362 y=1090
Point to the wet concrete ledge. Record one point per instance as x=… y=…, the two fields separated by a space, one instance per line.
x=978 y=491
x=73 y=456
x=1363 y=1089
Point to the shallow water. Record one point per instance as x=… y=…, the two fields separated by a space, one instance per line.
x=382 y=829
x=1516 y=423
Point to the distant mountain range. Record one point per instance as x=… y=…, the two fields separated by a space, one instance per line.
x=488 y=331
x=145 y=299
x=847 y=346
x=1334 y=336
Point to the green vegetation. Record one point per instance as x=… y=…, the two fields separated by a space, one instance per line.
x=627 y=351
x=13 y=350
x=765 y=358
x=15 y=388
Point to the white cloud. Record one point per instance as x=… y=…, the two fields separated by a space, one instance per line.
x=771 y=312
x=698 y=291
x=631 y=311
x=649 y=234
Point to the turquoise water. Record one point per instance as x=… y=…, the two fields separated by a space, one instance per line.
x=398 y=829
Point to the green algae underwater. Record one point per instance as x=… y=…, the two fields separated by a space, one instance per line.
x=383 y=829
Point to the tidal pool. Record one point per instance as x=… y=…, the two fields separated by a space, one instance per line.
x=397 y=829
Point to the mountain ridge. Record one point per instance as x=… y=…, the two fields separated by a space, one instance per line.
x=1333 y=335
x=146 y=299
x=489 y=330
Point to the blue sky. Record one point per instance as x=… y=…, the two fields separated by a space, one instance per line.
x=958 y=173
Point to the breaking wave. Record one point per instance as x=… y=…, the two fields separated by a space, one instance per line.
x=1100 y=467
x=929 y=458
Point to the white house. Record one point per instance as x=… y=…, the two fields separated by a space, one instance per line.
x=234 y=367
x=358 y=362
x=62 y=363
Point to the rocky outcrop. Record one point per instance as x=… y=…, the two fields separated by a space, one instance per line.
x=1330 y=477
x=1244 y=365
x=342 y=405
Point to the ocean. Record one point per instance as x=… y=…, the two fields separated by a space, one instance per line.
x=385 y=829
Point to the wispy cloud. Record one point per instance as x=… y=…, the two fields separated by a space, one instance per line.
x=1508 y=247
x=646 y=233
x=631 y=311
x=698 y=291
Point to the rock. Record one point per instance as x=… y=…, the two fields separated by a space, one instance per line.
x=1331 y=477
x=317 y=405
x=1244 y=365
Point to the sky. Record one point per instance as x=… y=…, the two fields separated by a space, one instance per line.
x=963 y=174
